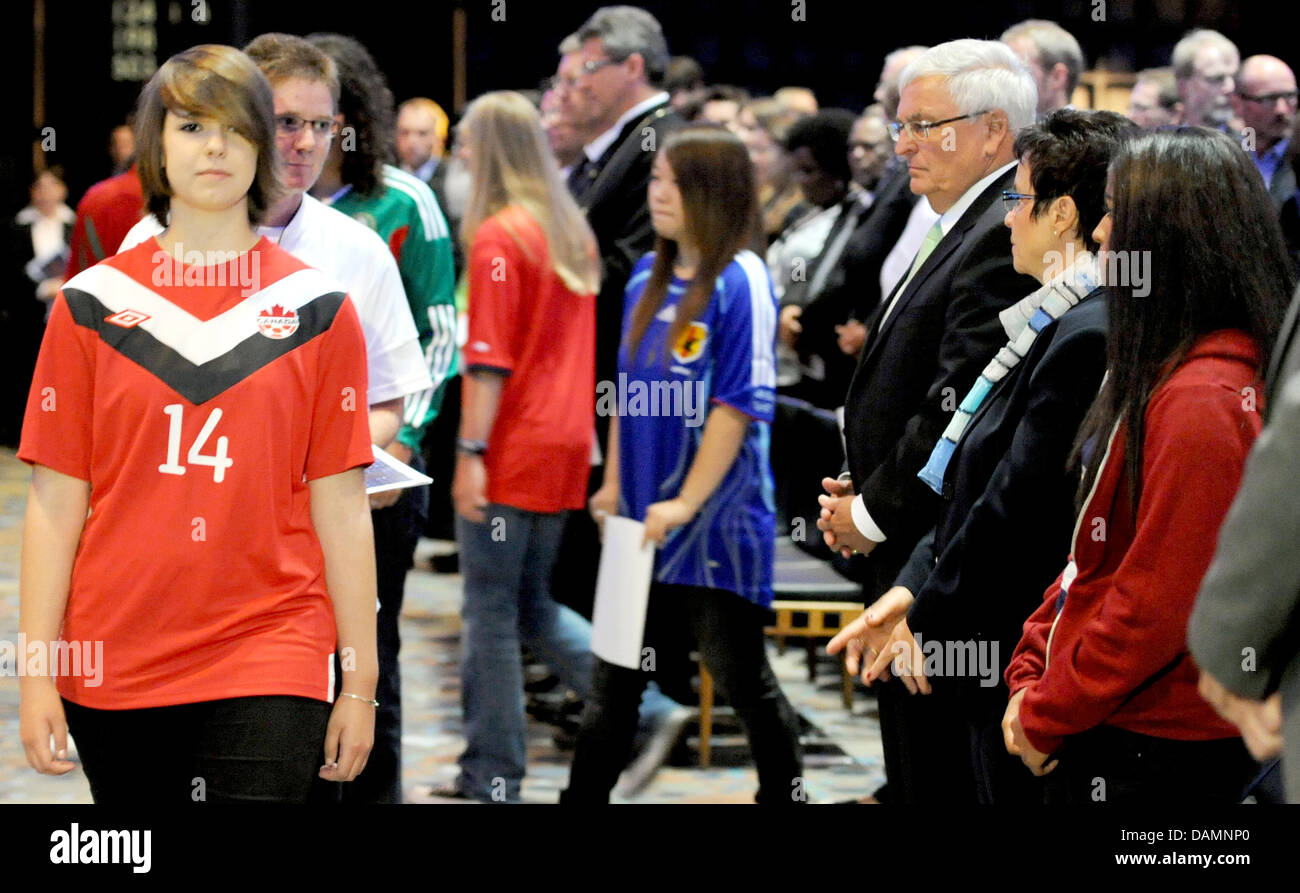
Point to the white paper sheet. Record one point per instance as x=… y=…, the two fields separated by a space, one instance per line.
x=622 y=592
x=387 y=473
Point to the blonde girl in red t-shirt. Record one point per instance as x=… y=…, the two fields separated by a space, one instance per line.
x=526 y=429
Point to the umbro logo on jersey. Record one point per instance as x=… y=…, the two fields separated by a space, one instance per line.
x=127 y=319
x=277 y=322
x=201 y=358
x=668 y=314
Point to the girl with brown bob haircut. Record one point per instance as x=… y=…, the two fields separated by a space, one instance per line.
x=208 y=81
x=197 y=513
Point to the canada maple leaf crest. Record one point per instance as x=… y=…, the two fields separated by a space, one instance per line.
x=277 y=322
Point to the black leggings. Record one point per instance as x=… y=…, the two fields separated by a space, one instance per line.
x=729 y=633
x=256 y=749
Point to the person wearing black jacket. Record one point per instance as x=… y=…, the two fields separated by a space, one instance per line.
x=623 y=56
x=925 y=347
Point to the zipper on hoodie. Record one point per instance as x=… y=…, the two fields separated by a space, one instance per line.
x=1074 y=543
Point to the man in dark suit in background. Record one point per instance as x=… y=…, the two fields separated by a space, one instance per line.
x=608 y=85
x=925 y=346
x=620 y=60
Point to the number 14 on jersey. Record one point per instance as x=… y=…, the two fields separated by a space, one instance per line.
x=218 y=460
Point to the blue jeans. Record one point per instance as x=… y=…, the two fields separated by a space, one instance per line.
x=507 y=564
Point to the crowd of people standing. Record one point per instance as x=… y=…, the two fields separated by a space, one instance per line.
x=982 y=341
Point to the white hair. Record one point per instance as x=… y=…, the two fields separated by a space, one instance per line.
x=1187 y=49
x=1054 y=45
x=981 y=75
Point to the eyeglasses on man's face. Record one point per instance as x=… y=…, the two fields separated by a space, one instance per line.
x=1287 y=96
x=591 y=66
x=1011 y=200
x=1222 y=81
x=920 y=130
x=292 y=125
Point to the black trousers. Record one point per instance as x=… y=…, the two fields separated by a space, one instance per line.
x=926 y=747
x=1112 y=765
x=1000 y=777
x=729 y=633
x=397 y=533
x=264 y=749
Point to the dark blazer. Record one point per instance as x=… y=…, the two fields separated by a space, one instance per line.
x=1249 y=602
x=1007 y=513
x=914 y=369
x=1284 y=184
x=852 y=288
x=616 y=208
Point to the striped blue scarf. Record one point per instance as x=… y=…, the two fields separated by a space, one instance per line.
x=1022 y=322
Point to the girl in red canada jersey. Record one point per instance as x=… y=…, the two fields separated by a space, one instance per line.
x=215 y=581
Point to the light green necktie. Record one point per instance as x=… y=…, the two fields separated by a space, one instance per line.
x=932 y=238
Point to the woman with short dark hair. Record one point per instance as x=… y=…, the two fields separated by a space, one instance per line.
x=1102 y=683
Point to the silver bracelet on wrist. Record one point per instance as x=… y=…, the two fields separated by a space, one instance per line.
x=371 y=701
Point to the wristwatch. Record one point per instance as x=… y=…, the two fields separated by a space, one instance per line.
x=471 y=447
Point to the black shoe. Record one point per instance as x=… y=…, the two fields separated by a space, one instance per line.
x=446 y=564
x=443 y=793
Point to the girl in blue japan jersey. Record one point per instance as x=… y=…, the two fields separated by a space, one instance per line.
x=688 y=456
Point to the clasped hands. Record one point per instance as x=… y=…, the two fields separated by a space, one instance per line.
x=836 y=519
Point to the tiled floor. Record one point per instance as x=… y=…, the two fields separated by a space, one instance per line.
x=431 y=707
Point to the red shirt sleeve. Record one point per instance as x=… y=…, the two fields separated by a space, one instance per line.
x=340 y=424
x=495 y=291
x=1197 y=439
x=59 y=420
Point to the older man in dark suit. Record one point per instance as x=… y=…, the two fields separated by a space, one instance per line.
x=960 y=107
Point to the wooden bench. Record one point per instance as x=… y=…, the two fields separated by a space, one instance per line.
x=808 y=592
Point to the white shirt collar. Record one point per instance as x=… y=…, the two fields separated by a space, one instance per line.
x=597 y=147
x=948 y=219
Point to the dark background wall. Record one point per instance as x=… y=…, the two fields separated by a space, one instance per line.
x=836 y=48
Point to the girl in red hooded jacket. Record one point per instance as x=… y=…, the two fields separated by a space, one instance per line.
x=1103 y=690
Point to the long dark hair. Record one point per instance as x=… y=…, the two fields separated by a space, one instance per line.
x=367 y=105
x=720 y=207
x=1194 y=200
